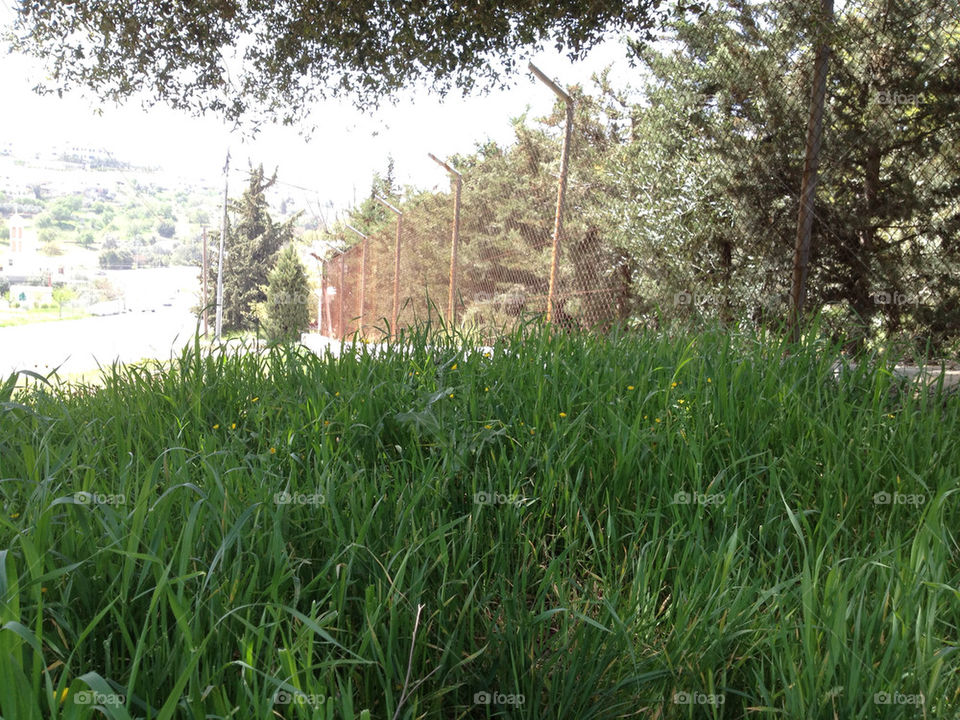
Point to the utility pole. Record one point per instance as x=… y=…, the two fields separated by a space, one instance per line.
x=204 y=302
x=223 y=234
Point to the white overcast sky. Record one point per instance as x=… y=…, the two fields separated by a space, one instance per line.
x=344 y=151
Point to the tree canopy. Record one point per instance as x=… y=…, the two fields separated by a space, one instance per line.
x=240 y=58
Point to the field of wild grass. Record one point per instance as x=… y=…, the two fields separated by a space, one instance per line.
x=688 y=526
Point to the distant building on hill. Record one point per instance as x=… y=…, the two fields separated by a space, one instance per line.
x=21 y=250
x=20 y=259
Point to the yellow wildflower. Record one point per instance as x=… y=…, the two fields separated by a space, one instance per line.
x=217 y=426
x=233 y=426
x=273 y=451
x=629 y=387
x=563 y=414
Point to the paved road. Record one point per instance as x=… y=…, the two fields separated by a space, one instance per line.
x=78 y=345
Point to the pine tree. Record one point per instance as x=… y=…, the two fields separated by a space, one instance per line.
x=287 y=296
x=252 y=244
x=718 y=159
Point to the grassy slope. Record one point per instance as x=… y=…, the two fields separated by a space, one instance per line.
x=777 y=581
x=9 y=318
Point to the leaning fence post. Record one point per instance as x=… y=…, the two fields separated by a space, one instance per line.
x=396 y=265
x=808 y=185
x=455 y=241
x=561 y=185
x=363 y=276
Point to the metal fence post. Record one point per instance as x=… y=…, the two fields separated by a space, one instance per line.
x=363 y=275
x=396 y=265
x=561 y=185
x=340 y=294
x=455 y=241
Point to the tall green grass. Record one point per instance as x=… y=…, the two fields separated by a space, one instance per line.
x=685 y=526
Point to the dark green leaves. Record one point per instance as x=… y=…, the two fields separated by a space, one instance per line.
x=292 y=52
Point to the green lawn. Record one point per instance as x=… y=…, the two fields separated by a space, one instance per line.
x=9 y=318
x=688 y=526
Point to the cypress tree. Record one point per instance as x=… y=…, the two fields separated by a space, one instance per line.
x=252 y=245
x=287 y=297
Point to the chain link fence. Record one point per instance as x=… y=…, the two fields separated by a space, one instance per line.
x=683 y=201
